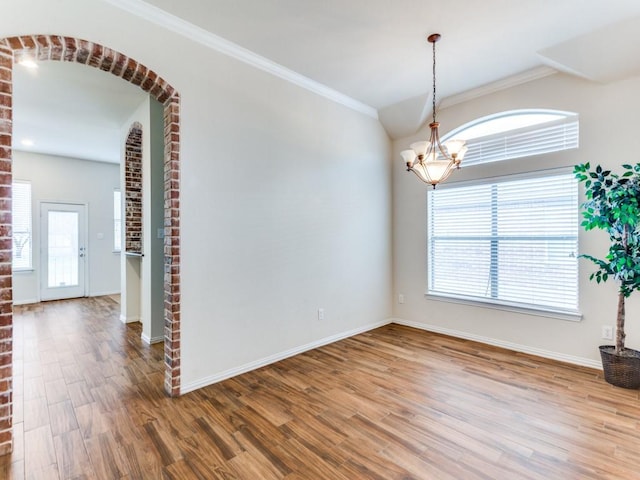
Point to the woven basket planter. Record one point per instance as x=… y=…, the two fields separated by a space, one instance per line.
x=621 y=370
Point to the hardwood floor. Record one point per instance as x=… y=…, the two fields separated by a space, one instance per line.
x=394 y=403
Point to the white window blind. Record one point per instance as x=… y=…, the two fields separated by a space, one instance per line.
x=508 y=241
x=550 y=136
x=21 y=218
x=117 y=221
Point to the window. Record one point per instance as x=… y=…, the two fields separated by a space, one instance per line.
x=511 y=241
x=22 y=233
x=117 y=221
x=515 y=134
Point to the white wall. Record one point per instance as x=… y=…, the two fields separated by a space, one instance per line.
x=285 y=197
x=74 y=181
x=153 y=220
x=285 y=209
x=608 y=133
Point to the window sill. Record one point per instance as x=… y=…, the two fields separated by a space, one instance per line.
x=560 y=315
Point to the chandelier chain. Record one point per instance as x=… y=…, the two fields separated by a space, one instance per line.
x=434 y=81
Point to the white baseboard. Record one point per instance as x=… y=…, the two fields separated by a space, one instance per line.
x=29 y=301
x=584 y=362
x=125 y=319
x=25 y=301
x=152 y=340
x=210 y=380
x=104 y=294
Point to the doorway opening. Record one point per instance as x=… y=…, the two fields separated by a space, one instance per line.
x=68 y=49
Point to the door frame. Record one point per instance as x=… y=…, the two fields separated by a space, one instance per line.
x=83 y=236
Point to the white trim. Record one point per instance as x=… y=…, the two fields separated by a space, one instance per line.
x=505 y=306
x=151 y=340
x=28 y=301
x=512 y=81
x=177 y=25
x=561 y=357
x=206 y=381
x=104 y=294
x=125 y=319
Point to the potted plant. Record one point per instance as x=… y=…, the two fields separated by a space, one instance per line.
x=613 y=205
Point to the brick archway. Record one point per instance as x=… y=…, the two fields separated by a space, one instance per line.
x=67 y=49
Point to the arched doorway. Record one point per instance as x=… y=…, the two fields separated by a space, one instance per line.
x=67 y=49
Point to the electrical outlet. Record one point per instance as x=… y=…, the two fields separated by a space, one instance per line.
x=607 y=332
x=321 y=314
x=400 y=298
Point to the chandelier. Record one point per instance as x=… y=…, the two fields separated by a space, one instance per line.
x=429 y=160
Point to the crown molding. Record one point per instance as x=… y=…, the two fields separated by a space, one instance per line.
x=188 y=30
x=518 y=79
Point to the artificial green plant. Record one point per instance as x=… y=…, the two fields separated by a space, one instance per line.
x=613 y=205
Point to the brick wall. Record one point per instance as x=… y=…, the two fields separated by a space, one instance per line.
x=6 y=309
x=66 y=49
x=133 y=190
x=172 y=246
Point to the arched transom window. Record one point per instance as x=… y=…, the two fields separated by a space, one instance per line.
x=519 y=133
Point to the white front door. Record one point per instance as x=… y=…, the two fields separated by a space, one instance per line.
x=63 y=252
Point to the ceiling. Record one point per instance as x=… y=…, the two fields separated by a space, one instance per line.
x=71 y=110
x=374 y=51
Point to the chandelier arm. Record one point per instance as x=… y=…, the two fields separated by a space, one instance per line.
x=415 y=171
x=436 y=142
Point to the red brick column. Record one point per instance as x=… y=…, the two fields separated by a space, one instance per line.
x=6 y=308
x=133 y=190
x=172 y=245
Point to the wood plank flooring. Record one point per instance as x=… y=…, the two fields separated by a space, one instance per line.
x=394 y=403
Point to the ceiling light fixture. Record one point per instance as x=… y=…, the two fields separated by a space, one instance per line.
x=429 y=160
x=27 y=142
